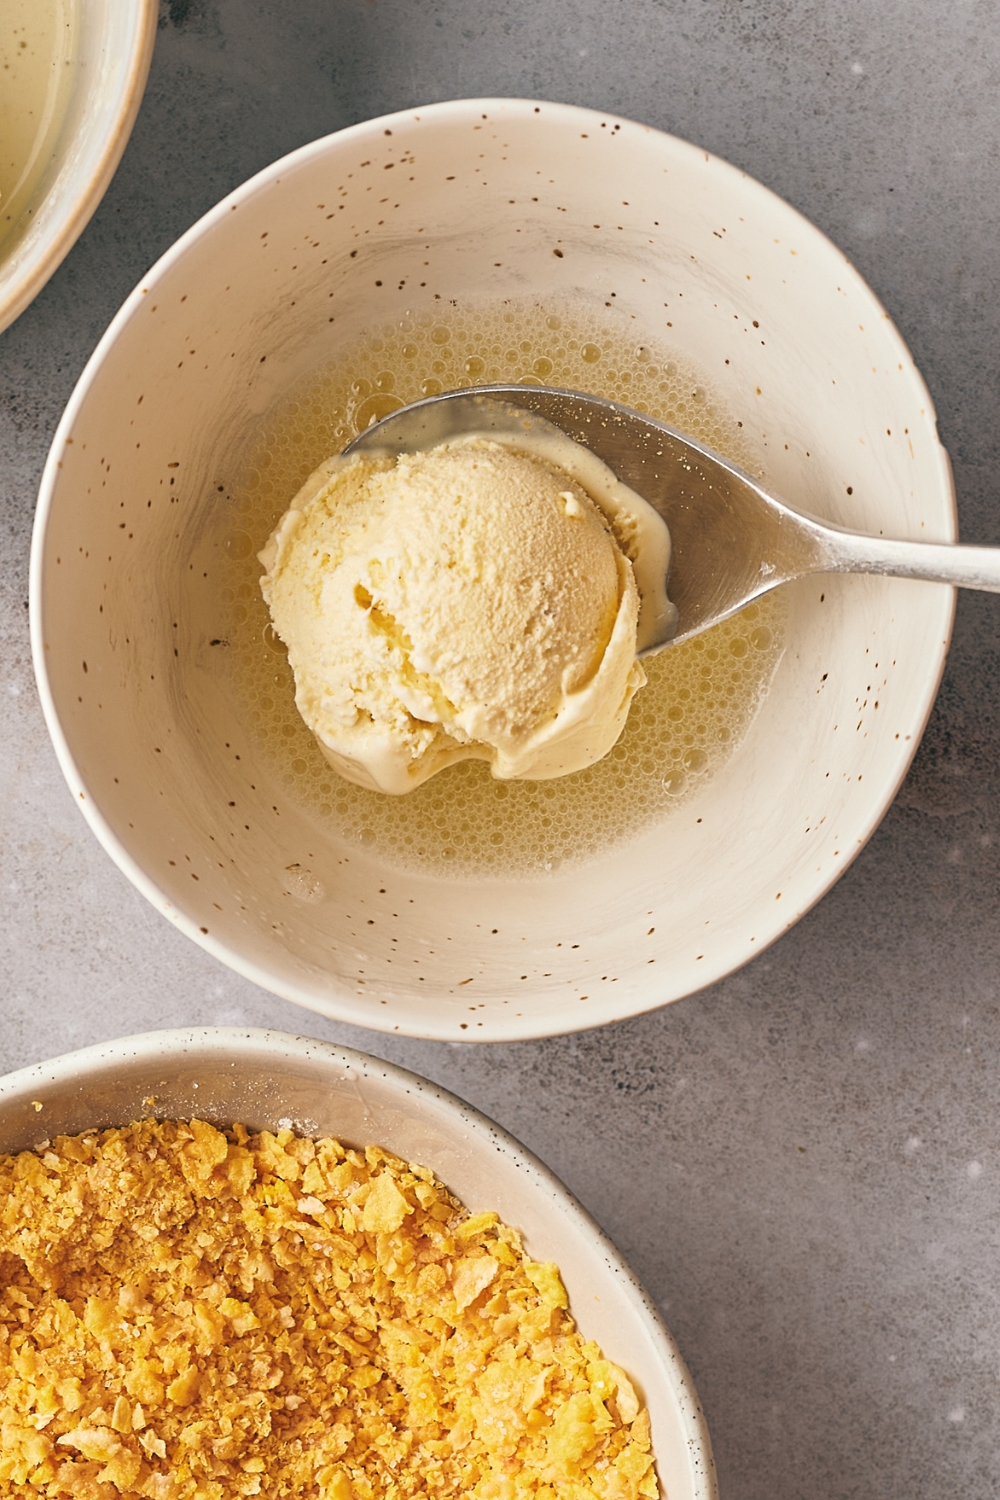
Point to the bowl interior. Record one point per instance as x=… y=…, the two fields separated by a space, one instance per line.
x=479 y=200
x=111 y=51
x=267 y=1080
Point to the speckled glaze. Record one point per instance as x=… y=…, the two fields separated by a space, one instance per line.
x=480 y=198
x=269 y=1079
x=113 y=51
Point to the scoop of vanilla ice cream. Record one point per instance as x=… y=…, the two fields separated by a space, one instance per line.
x=467 y=601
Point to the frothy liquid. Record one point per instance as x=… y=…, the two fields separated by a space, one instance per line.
x=683 y=725
x=37 y=39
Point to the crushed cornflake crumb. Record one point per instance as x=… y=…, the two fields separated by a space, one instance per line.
x=191 y=1314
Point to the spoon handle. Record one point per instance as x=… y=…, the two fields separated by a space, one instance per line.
x=938 y=562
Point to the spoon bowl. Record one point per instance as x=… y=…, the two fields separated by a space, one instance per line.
x=731 y=540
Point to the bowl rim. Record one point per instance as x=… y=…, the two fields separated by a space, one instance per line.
x=53 y=251
x=335 y=1002
x=26 y=1087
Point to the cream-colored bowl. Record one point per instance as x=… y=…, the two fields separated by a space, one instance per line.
x=111 y=53
x=472 y=199
x=269 y=1079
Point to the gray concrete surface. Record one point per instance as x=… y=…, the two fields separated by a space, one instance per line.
x=802 y=1163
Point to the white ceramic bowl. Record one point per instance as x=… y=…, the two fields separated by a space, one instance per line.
x=152 y=744
x=113 y=48
x=265 y=1079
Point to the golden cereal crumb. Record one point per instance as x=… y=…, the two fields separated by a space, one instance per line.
x=191 y=1314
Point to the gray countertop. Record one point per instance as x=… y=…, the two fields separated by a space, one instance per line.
x=801 y=1162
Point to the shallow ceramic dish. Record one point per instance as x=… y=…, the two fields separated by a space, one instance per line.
x=271 y=1079
x=480 y=198
x=112 y=49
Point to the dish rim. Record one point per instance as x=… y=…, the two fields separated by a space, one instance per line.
x=23 y=289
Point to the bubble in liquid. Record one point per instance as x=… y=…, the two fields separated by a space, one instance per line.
x=301 y=883
x=273 y=642
x=463 y=823
x=240 y=545
x=374 y=408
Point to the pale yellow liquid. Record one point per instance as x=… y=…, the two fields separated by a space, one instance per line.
x=683 y=725
x=37 y=43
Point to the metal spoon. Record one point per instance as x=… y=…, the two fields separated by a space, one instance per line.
x=732 y=541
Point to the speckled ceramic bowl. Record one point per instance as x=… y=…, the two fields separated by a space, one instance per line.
x=270 y=1079
x=480 y=198
x=111 y=52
